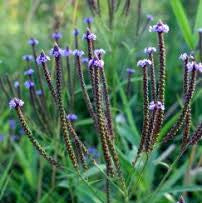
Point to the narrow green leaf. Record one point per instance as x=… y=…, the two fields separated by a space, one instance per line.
x=183 y=22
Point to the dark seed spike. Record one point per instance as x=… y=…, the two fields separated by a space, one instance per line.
x=62 y=112
x=35 y=143
x=197 y=135
x=173 y=131
x=107 y=104
x=101 y=122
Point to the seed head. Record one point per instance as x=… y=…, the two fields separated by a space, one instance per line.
x=156 y=105
x=144 y=62
x=29 y=84
x=42 y=58
x=33 y=41
x=57 y=35
x=27 y=58
x=77 y=52
x=149 y=50
x=159 y=27
x=15 y=102
x=29 y=72
x=72 y=117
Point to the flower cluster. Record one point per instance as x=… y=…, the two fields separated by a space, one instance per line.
x=144 y=62
x=16 y=84
x=150 y=17
x=89 y=36
x=88 y=20
x=76 y=32
x=72 y=117
x=57 y=35
x=33 y=41
x=42 y=58
x=149 y=50
x=27 y=58
x=193 y=65
x=15 y=102
x=156 y=105
x=130 y=71
x=56 y=51
x=29 y=84
x=77 y=52
x=96 y=62
x=67 y=52
x=39 y=92
x=159 y=27
x=29 y=72
x=99 y=52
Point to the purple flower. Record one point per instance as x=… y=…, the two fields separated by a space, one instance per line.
x=89 y=36
x=56 y=51
x=29 y=84
x=88 y=20
x=156 y=105
x=181 y=200
x=159 y=27
x=39 y=92
x=150 y=17
x=27 y=58
x=77 y=52
x=42 y=58
x=67 y=52
x=191 y=66
x=96 y=63
x=99 y=52
x=29 y=72
x=149 y=50
x=144 y=62
x=12 y=123
x=84 y=60
x=16 y=84
x=200 y=30
x=199 y=67
x=33 y=41
x=72 y=117
x=93 y=152
x=184 y=57
x=76 y=32
x=57 y=35
x=15 y=102
x=130 y=71
x=14 y=138
x=1 y=138
x=120 y=118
